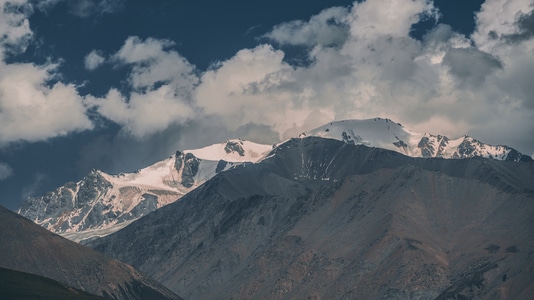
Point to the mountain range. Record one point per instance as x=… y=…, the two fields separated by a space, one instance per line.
x=323 y=219
x=102 y=203
x=354 y=209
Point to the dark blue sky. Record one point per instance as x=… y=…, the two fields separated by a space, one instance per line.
x=203 y=32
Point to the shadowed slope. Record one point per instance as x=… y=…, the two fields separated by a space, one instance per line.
x=25 y=286
x=30 y=248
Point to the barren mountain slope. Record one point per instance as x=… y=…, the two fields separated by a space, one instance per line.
x=323 y=219
x=30 y=248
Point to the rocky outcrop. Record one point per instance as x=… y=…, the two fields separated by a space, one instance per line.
x=434 y=146
x=234 y=146
x=189 y=168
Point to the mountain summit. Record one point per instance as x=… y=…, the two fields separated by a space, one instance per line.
x=386 y=134
x=102 y=203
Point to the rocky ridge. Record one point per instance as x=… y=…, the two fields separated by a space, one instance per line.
x=386 y=134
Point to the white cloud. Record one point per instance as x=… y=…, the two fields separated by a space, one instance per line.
x=5 y=171
x=162 y=83
x=143 y=114
x=394 y=18
x=498 y=19
x=32 y=106
x=231 y=86
x=93 y=60
x=326 y=28
x=15 y=31
x=153 y=63
x=31 y=110
x=257 y=87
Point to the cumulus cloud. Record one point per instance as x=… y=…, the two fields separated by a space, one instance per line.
x=471 y=66
x=15 y=31
x=497 y=21
x=161 y=81
x=34 y=106
x=388 y=17
x=153 y=62
x=93 y=60
x=525 y=25
x=373 y=66
x=33 y=110
x=326 y=28
x=5 y=171
x=143 y=114
x=236 y=88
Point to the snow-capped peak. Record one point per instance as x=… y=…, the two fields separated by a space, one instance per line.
x=102 y=203
x=386 y=134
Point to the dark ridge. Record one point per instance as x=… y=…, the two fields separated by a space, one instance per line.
x=335 y=160
x=27 y=247
x=26 y=286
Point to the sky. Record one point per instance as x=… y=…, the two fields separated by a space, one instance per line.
x=117 y=85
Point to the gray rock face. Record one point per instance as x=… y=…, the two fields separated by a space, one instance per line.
x=431 y=148
x=232 y=146
x=221 y=165
x=468 y=148
x=49 y=210
x=324 y=219
x=400 y=144
x=190 y=169
x=188 y=165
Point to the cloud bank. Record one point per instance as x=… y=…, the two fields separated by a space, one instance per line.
x=363 y=63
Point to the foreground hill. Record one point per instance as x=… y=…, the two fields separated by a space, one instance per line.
x=26 y=286
x=29 y=248
x=323 y=219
